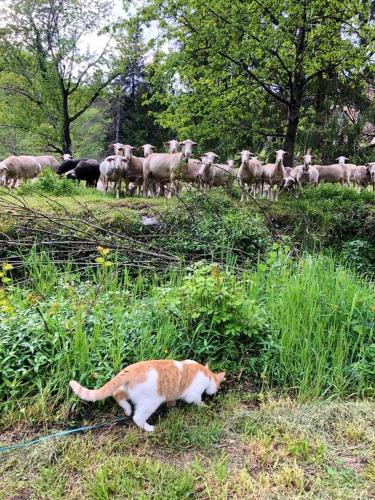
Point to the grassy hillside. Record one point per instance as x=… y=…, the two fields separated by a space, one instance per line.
x=280 y=295
x=194 y=226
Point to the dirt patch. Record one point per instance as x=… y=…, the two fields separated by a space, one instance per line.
x=357 y=464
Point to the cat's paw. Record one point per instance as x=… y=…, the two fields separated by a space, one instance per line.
x=199 y=403
x=149 y=428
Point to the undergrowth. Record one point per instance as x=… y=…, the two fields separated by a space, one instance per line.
x=48 y=183
x=306 y=326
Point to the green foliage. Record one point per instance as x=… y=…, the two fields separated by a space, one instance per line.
x=240 y=72
x=359 y=254
x=215 y=226
x=331 y=218
x=213 y=319
x=322 y=323
x=49 y=183
x=305 y=326
x=48 y=80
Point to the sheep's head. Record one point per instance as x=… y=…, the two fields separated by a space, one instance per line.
x=117 y=161
x=306 y=161
x=148 y=149
x=342 y=159
x=370 y=167
x=117 y=147
x=230 y=163
x=207 y=160
x=71 y=175
x=128 y=152
x=288 y=183
x=280 y=153
x=245 y=156
x=187 y=148
x=172 y=146
x=3 y=169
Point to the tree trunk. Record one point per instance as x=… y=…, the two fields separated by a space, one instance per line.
x=66 y=138
x=292 y=128
x=118 y=120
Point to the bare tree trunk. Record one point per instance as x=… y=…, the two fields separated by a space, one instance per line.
x=291 y=134
x=66 y=137
x=117 y=122
x=294 y=109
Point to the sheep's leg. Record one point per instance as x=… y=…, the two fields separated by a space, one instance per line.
x=242 y=188
x=145 y=187
x=252 y=192
x=172 y=185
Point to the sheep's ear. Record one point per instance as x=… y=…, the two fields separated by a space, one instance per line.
x=194 y=143
x=182 y=143
x=215 y=155
x=220 y=377
x=152 y=147
x=110 y=159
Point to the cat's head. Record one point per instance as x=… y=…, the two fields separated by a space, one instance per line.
x=215 y=381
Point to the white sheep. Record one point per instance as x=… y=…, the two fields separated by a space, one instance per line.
x=272 y=175
x=15 y=168
x=161 y=168
x=338 y=172
x=112 y=170
x=249 y=175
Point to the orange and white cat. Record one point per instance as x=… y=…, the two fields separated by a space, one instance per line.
x=148 y=384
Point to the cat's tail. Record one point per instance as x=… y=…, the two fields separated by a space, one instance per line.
x=103 y=392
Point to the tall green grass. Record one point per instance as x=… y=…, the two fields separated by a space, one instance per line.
x=322 y=328
x=306 y=326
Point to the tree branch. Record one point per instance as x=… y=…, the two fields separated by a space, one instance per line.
x=94 y=96
x=252 y=75
x=88 y=67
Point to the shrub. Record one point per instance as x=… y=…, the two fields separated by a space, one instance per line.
x=215 y=226
x=49 y=183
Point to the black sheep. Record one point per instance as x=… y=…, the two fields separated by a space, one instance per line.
x=86 y=170
x=67 y=165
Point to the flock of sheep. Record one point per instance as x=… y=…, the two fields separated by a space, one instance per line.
x=162 y=173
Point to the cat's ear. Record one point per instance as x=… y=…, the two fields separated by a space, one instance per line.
x=220 y=377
